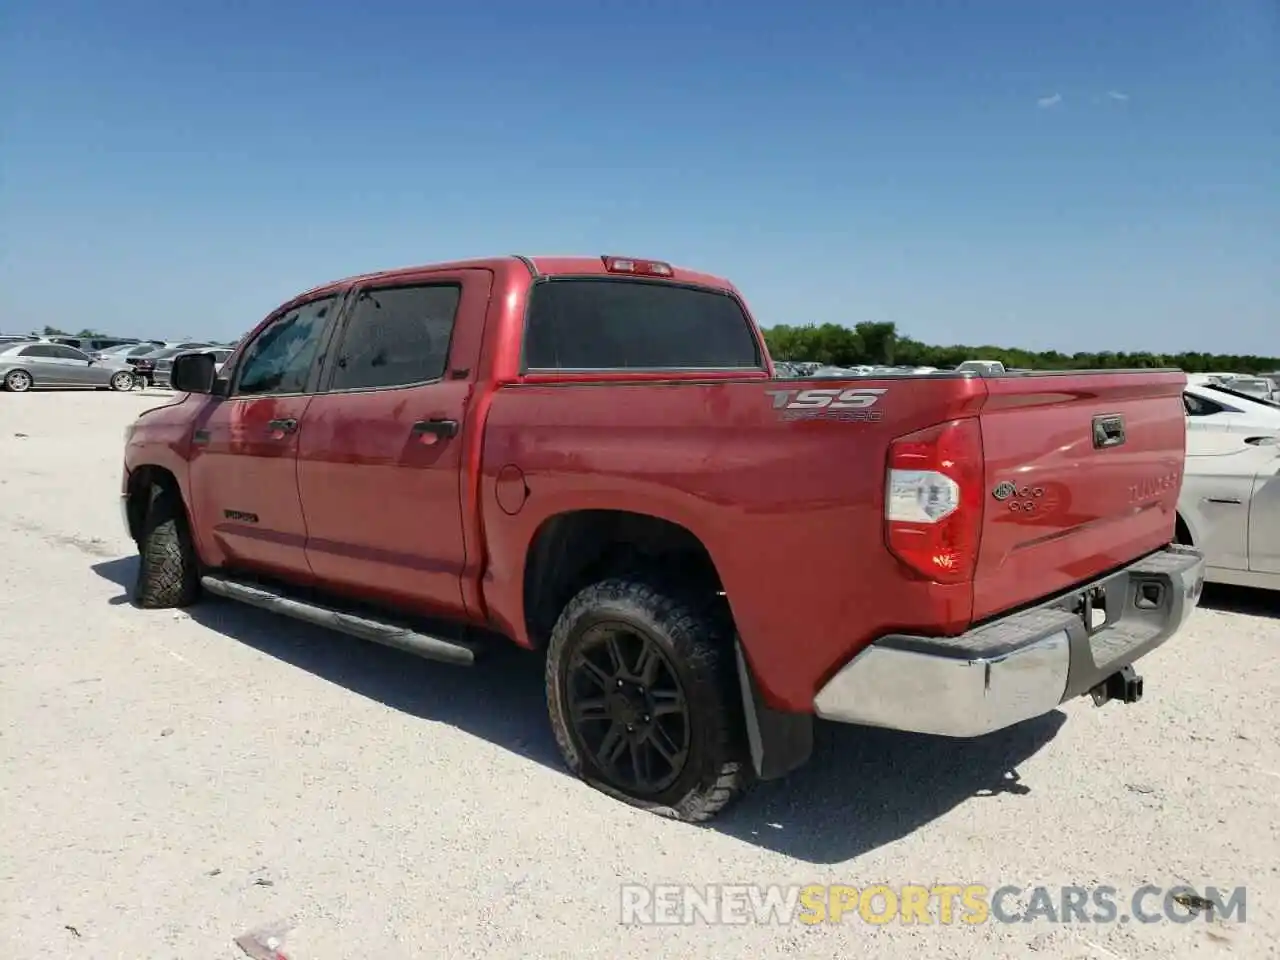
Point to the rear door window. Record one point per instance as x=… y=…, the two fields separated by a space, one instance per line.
x=614 y=324
x=63 y=352
x=279 y=359
x=396 y=337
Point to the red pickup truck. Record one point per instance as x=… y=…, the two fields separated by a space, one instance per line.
x=592 y=458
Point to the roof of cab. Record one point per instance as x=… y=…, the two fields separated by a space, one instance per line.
x=547 y=266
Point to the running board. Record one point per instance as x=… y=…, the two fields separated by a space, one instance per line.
x=355 y=625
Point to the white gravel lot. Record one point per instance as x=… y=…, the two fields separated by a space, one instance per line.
x=170 y=781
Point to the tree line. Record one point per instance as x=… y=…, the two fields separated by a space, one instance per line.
x=880 y=343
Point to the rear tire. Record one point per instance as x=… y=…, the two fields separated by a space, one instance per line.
x=17 y=381
x=122 y=382
x=168 y=572
x=638 y=676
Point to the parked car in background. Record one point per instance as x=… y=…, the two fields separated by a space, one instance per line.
x=1259 y=388
x=92 y=345
x=39 y=364
x=126 y=350
x=162 y=363
x=145 y=364
x=1215 y=409
x=591 y=457
x=985 y=367
x=134 y=348
x=1229 y=508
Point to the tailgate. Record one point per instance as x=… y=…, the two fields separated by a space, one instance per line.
x=1082 y=475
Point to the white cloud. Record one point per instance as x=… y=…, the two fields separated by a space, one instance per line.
x=1044 y=103
x=1117 y=95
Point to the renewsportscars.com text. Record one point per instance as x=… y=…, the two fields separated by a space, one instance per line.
x=944 y=904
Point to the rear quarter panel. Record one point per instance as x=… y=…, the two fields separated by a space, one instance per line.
x=791 y=511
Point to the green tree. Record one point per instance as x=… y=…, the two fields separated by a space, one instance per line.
x=880 y=343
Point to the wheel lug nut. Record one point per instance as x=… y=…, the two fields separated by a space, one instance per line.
x=646 y=718
x=619 y=683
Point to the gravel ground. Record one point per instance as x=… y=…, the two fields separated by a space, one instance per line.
x=171 y=781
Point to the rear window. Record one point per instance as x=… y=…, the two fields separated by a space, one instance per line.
x=608 y=324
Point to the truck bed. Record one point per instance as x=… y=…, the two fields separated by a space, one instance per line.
x=788 y=494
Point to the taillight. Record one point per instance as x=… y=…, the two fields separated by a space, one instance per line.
x=638 y=268
x=933 y=500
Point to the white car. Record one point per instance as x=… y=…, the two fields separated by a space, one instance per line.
x=1212 y=408
x=1229 y=507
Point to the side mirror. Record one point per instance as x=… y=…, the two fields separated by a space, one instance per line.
x=192 y=373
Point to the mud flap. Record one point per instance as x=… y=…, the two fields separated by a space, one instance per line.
x=780 y=742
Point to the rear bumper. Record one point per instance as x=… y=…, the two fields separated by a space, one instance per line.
x=1020 y=666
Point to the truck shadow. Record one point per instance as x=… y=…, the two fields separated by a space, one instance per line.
x=864 y=788
x=1229 y=599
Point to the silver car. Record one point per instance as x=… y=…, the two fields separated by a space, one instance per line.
x=43 y=364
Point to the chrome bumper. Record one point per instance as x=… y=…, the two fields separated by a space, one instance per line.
x=1020 y=666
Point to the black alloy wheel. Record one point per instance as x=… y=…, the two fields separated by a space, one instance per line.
x=627 y=708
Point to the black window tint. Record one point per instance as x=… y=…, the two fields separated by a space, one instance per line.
x=617 y=324
x=1199 y=407
x=397 y=336
x=279 y=360
x=39 y=350
x=66 y=353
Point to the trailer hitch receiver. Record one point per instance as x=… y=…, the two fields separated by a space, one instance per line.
x=1124 y=685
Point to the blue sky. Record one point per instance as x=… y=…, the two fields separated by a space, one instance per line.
x=1077 y=175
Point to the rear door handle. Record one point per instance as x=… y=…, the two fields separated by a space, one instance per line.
x=287 y=425
x=444 y=429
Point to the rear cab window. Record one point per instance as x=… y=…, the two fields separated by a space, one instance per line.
x=590 y=323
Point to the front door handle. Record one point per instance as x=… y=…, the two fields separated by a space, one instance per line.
x=443 y=429
x=287 y=425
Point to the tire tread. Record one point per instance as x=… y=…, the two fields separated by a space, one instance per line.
x=168 y=574
x=702 y=638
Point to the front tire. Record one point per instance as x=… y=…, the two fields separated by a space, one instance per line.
x=168 y=571
x=17 y=381
x=122 y=382
x=644 y=702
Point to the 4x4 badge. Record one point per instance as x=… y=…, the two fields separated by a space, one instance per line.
x=1004 y=490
